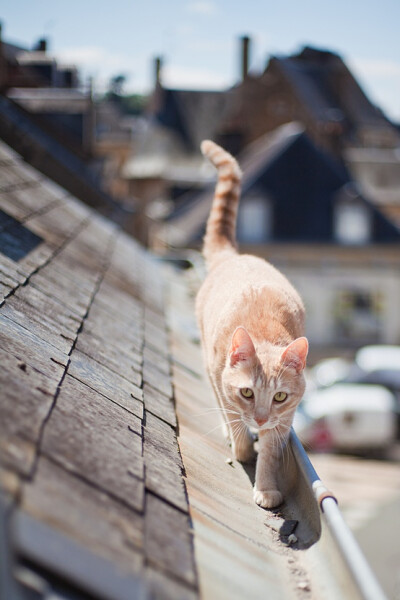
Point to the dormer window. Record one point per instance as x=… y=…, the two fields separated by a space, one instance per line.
x=352 y=223
x=254 y=220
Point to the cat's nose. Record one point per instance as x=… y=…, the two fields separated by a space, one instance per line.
x=260 y=421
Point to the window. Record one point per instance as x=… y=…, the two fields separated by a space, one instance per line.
x=254 y=220
x=352 y=223
x=358 y=316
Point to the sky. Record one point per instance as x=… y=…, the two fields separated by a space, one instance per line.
x=198 y=40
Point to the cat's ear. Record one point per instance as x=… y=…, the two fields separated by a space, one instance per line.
x=242 y=347
x=295 y=354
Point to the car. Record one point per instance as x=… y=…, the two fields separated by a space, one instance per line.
x=378 y=357
x=350 y=417
x=329 y=371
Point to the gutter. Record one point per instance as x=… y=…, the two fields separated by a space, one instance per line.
x=332 y=518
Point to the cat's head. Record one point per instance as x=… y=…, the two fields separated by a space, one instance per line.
x=265 y=385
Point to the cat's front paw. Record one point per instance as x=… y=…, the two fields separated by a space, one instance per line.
x=268 y=499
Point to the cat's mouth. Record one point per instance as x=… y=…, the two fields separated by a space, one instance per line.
x=254 y=427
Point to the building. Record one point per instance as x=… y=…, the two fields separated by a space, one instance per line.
x=313 y=87
x=316 y=88
x=53 y=122
x=301 y=209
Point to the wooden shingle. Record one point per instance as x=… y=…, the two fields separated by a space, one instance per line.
x=95 y=477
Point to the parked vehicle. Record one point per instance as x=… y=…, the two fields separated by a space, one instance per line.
x=348 y=417
x=378 y=357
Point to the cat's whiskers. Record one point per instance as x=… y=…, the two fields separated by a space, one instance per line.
x=239 y=430
x=213 y=429
x=216 y=409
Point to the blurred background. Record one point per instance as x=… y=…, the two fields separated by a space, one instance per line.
x=113 y=101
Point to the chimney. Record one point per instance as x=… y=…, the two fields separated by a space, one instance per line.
x=245 y=46
x=42 y=45
x=157 y=70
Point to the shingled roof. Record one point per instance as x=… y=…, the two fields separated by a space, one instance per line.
x=90 y=466
x=96 y=500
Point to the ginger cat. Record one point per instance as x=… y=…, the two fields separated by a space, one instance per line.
x=251 y=321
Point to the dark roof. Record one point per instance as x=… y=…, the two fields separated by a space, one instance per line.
x=90 y=462
x=194 y=115
x=11 y=51
x=48 y=154
x=328 y=89
x=303 y=184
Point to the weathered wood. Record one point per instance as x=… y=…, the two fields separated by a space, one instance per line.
x=26 y=316
x=106 y=382
x=111 y=295
x=26 y=399
x=168 y=543
x=31 y=349
x=156 y=338
x=60 y=288
x=10 y=177
x=83 y=345
x=95 y=438
x=155 y=358
x=164 y=476
x=110 y=356
x=163 y=462
x=75 y=278
x=50 y=309
x=157 y=379
x=159 y=405
x=35 y=259
x=85 y=514
x=162 y=587
x=32 y=199
x=107 y=325
x=65 y=565
x=77 y=270
x=163 y=436
x=56 y=225
x=19 y=173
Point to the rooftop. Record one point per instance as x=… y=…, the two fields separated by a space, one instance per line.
x=103 y=496
x=90 y=461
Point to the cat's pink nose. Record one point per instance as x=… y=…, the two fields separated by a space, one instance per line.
x=260 y=421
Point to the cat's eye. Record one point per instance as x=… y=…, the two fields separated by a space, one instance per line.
x=247 y=393
x=280 y=396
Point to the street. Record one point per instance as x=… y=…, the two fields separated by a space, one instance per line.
x=369 y=498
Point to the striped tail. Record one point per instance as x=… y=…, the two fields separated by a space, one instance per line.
x=220 y=237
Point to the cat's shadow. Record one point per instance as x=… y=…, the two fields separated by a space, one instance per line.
x=293 y=525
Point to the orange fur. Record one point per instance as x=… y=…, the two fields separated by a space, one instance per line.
x=251 y=321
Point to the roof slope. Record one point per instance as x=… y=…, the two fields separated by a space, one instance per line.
x=329 y=91
x=89 y=466
x=193 y=115
x=300 y=181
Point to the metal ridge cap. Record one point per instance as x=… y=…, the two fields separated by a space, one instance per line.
x=346 y=544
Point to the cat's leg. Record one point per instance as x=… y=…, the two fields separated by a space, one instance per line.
x=266 y=493
x=242 y=441
x=234 y=430
x=243 y=444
